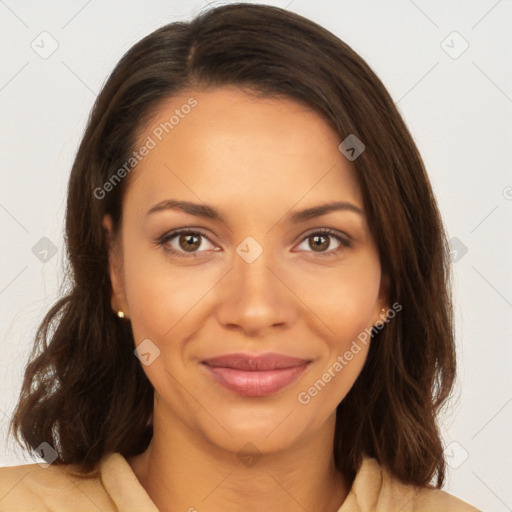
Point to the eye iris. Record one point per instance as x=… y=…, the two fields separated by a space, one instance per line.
x=317 y=243
x=190 y=242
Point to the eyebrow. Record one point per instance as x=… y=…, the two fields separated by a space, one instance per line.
x=203 y=210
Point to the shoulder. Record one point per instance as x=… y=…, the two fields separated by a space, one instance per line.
x=376 y=488
x=34 y=487
x=430 y=499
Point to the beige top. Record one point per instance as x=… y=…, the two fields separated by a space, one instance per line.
x=31 y=487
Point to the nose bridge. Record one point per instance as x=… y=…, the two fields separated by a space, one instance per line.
x=253 y=296
x=252 y=270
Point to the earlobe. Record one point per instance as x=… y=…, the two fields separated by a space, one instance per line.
x=383 y=313
x=383 y=301
x=118 y=299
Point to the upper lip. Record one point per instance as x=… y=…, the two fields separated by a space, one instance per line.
x=247 y=362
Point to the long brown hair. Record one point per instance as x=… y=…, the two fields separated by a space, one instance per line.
x=85 y=393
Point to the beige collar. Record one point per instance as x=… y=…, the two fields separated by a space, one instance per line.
x=372 y=490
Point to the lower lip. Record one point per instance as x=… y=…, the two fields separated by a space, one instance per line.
x=255 y=383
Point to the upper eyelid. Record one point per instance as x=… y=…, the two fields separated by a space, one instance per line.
x=174 y=233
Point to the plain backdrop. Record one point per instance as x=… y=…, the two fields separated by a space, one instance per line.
x=446 y=65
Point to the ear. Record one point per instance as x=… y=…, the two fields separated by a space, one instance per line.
x=383 y=303
x=115 y=268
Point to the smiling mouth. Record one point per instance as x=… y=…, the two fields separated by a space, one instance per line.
x=255 y=376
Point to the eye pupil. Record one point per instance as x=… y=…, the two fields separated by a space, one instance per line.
x=318 y=244
x=190 y=242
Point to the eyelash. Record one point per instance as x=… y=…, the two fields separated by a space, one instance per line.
x=167 y=237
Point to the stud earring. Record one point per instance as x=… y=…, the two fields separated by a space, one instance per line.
x=120 y=314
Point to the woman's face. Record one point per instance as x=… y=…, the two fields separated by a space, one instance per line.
x=251 y=275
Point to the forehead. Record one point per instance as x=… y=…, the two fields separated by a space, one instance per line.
x=225 y=146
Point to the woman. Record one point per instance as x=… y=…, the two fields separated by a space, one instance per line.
x=259 y=315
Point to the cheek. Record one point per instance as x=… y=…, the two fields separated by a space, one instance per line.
x=344 y=298
x=345 y=302
x=160 y=294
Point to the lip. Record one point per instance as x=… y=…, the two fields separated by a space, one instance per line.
x=255 y=375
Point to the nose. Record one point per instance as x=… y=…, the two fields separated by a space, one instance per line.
x=255 y=297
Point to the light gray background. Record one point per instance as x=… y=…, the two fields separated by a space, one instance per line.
x=458 y=110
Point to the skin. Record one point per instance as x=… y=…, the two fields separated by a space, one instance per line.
x=257 y=160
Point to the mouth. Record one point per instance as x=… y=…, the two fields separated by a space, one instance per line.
x=255 y=376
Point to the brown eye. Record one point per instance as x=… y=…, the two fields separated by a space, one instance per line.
x=320 y=242
x=189 y=242
x=185 y=243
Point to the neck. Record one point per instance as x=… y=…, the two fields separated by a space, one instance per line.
x=181 y=470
